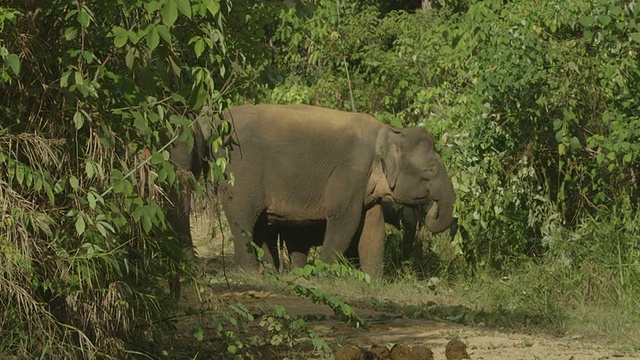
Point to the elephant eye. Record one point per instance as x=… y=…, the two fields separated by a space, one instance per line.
x=431 y=171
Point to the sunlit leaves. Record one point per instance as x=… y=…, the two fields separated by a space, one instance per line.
x=169 y=12
x=153 y=37
x=105 y=90
x=164 y=32
x=213 y=6
x=120 y=36
x=184 y=7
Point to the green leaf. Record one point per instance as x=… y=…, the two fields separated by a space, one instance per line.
x=78 y=120
x=146 y=224
x=118 y=186
x=198 y=333
x=83 y=18
x=157 y=158
x=604 y=19
x=213 y=6
x=80 y=224
x=153 y=38
x=117 y=174
x=130 y=58
x=152 y=6
x=73 y=181
x=14 y=63
x=198 y=47
x=64 y=79
x=88 y=56
x=139 y=121
x=169 y=13
x=185 y=7
x=101 y=229
x=91 y=198
x=164 y=32
x=78 y=79
x=588 y=35
x=562 y=149
x=120 y=40
x=557 y=124
x=575 y=143
x=586 y=20
x=89 y=170
x=70 y=33
x=635 y=36
x=174 y=66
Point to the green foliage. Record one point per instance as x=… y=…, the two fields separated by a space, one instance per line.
x=319 y=268
x=341 y=309
x=290 y=331
x=92 y=95
x=532 y=103
x=243 y=333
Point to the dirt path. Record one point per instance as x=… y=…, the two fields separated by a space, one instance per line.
x=383 y=328
x=387 y=329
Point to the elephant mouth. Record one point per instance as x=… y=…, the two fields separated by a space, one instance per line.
x=434 y=210
x=415 y=201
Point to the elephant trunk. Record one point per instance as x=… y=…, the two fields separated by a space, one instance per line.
x=440 y=215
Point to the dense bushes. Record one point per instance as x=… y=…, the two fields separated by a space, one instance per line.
x=535 y=106
x=88 y=94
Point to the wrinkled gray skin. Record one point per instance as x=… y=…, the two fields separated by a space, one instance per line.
x=188 y=161
x=298 y=165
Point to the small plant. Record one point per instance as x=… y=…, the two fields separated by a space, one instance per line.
x=243 y=334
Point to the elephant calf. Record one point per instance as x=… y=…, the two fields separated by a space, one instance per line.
x=299 y=165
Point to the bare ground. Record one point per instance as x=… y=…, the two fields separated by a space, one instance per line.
x=387 y=328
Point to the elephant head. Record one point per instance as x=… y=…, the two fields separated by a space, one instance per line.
x=191 y=156
x=416 y=175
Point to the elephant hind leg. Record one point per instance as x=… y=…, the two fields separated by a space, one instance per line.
x=262 y=236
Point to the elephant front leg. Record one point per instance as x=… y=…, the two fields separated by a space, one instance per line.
x=371 y=242
x=339 y=233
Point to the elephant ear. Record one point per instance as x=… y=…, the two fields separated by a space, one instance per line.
x=388 y=148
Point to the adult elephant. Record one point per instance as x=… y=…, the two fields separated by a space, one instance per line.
x=304 y=165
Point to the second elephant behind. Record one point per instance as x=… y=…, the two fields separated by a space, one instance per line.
x=300 y=239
